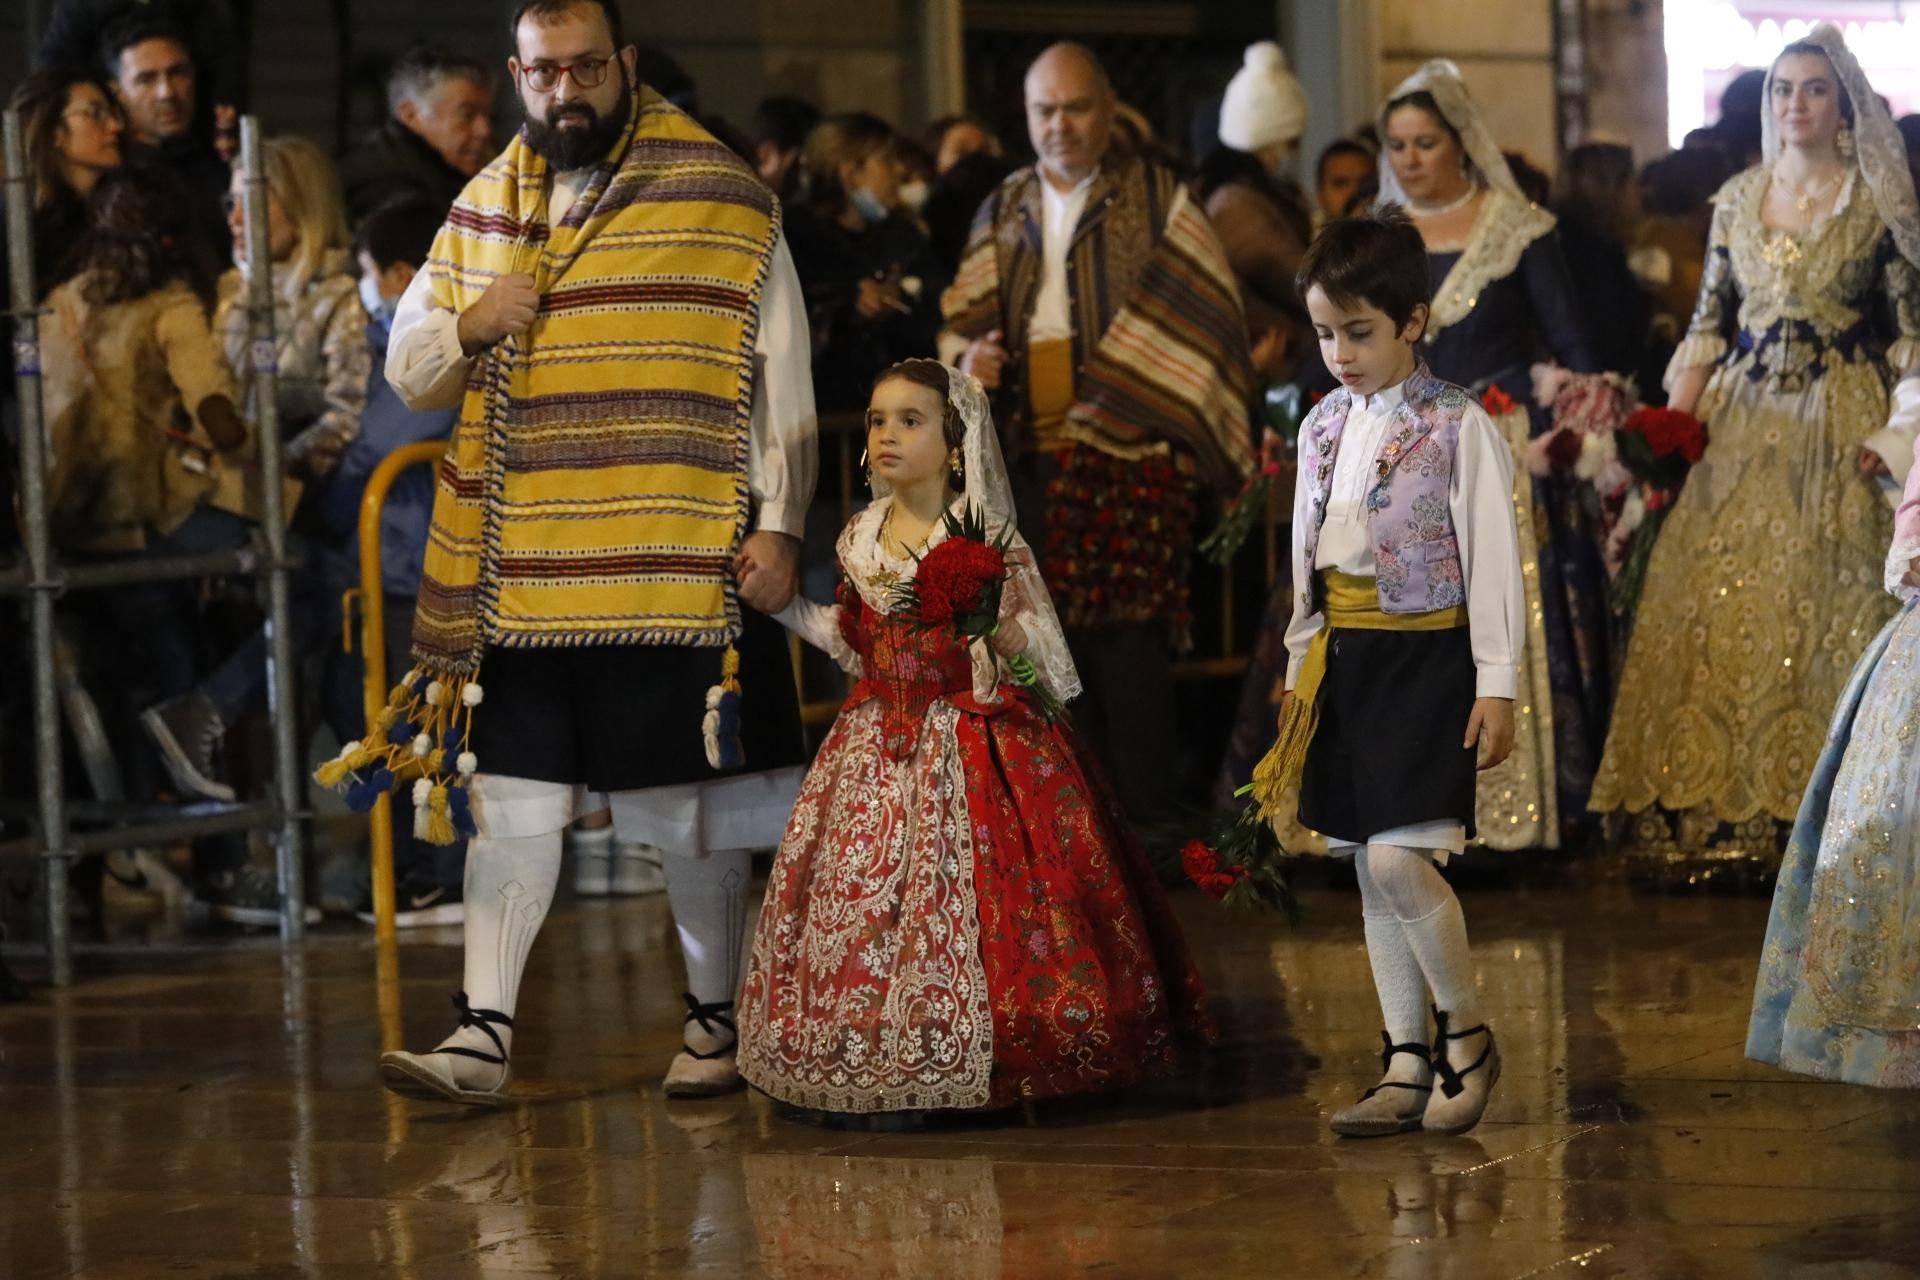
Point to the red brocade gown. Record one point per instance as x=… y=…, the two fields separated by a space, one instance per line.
x=958 y=917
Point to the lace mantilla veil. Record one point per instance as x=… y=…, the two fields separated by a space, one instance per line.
x=1878 y=150
x=990 y=492
x=1441 y=79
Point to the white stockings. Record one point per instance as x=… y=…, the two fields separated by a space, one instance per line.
x=1416 y=941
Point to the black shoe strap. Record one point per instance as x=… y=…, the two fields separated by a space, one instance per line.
x=1419 y=1051
x=711 y=1018
x=1451 y=1081
x=481 y=1018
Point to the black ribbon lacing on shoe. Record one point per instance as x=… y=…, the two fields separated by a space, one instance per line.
x=1451 y=1081
x=1419 y=1051
x=472 y=1017
x=708 y=1016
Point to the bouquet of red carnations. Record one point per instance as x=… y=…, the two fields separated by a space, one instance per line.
x=958 y=585
x=1658 y=447
x=1240 y=864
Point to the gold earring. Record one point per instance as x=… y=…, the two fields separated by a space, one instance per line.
x=958 y=467
x=1843 y=142
x=866 y=469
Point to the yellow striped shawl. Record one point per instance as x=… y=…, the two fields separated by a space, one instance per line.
x=596 y=488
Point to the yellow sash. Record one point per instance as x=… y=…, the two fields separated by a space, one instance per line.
x=1352 y=603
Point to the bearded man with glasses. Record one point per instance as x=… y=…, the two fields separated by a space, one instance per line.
x=612 y=307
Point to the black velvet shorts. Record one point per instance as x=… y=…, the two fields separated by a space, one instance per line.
x=1394 y=708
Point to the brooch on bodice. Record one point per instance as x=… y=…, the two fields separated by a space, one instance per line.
x=1780 y=251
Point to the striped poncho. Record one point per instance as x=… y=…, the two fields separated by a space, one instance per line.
x=596 y=491
x=1159 y=342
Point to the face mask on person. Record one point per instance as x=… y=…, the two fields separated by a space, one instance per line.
x=913 y=195
x=378 y=305
x=868 y=206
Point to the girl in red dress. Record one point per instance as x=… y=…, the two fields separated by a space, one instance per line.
x=958 y=917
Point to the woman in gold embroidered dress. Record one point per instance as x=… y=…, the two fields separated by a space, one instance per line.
x=1765 y=585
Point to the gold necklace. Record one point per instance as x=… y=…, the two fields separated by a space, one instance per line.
x=1805 y=199
x=887 y=534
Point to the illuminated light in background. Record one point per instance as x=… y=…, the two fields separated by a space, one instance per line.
x=1709 y=42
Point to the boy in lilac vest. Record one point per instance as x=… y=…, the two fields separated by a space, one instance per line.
x=1404 y=655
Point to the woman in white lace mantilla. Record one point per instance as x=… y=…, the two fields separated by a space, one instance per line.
x=1765 y=585
x=958 y=917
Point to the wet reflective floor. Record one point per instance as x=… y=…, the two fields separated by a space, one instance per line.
x=214 y=1112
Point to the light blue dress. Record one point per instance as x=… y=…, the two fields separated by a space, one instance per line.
x=1838 y=996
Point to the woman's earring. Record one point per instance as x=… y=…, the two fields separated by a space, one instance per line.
x=1843 y=142
x=959 y=469
x=865 y=469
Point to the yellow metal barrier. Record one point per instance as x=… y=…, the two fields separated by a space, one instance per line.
x=373 y=653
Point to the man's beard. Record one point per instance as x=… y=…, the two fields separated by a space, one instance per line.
x=576 y=148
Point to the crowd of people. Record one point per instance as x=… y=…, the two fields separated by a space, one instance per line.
x=1115 y=315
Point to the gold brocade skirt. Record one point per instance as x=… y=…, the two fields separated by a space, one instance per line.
x=1762 y=592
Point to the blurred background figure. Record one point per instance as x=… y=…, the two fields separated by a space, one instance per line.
x=871 y=282
x=952 y=139
x=1598 y=204
x=438 y=133
x=76 y=29
x=779 y=137
x=969 y=162
x=1247 y=187
x=1348 y=170
x=73 y=130
x=150 y=64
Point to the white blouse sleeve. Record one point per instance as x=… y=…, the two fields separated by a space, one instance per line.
x=1482 y=508
x=783 y=463
x=819 y=626
x=425 y=364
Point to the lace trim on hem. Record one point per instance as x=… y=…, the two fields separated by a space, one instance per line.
x=1900 y=557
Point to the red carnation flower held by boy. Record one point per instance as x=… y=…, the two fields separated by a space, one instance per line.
x=936 y=934
x=1404 y=646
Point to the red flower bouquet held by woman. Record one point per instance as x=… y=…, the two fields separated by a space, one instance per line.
x=959 y=586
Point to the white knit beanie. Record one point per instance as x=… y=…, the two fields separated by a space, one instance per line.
x=1265 y=103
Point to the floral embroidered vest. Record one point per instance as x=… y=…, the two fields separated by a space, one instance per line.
x=1416 y=554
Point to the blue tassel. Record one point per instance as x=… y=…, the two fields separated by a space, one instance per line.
x=401 y=734
x=461 y=810
x=453 y=741
x=382 y=778
x=363 y=795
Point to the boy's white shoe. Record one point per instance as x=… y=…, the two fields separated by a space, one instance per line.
x=592 y=861
x=1466 y=1076
x=637 y=871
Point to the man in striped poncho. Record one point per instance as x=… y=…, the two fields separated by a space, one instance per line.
x=1096 y=301
x=614 y=311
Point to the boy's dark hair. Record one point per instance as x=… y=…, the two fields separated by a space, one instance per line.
x=1377 y=258
x=546 y=11
x=136 y=28
x=400 y=230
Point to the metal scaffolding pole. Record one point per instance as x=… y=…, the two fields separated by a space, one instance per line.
x=41 y=583
x=282 y=707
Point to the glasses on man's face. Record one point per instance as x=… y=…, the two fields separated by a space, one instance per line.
x=587 y=73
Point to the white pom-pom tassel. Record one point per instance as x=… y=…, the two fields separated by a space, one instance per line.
x=422 y=745
x=422 y=792
x=436 y=694
x=1266 y=56
x=468 y=764
x=472 y=695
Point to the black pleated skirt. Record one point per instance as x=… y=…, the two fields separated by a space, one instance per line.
x=1394 y=708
